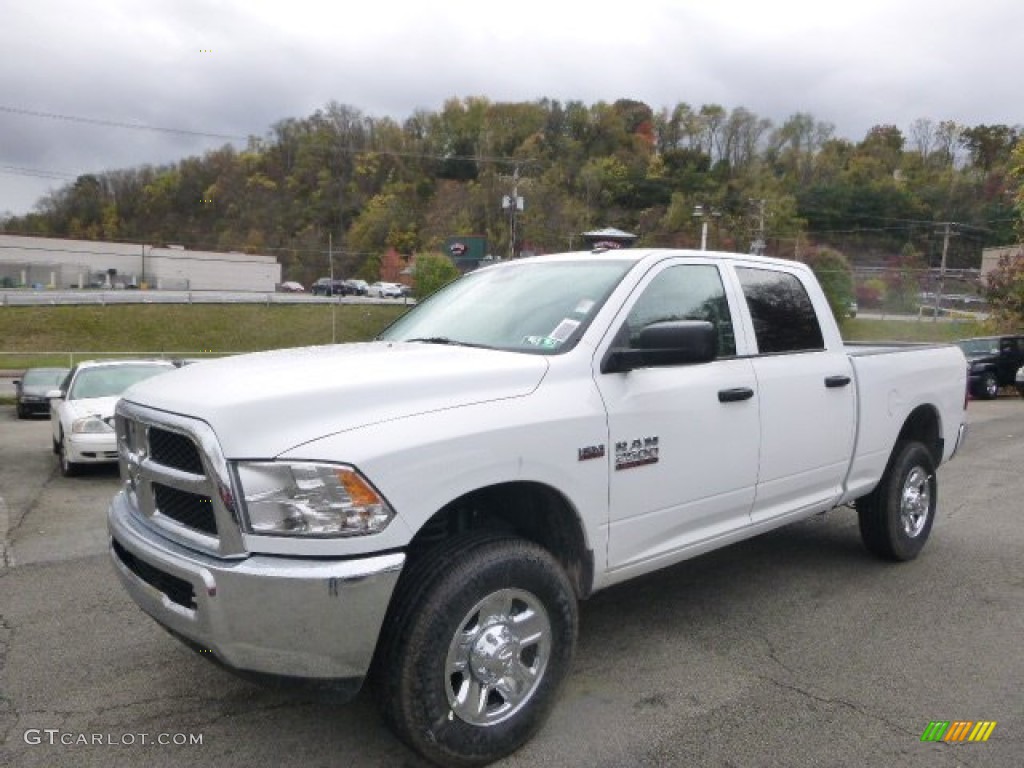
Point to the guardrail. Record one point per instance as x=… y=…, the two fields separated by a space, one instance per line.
x=44 y=298
x=11 y=367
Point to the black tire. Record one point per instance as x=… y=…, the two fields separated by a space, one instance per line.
x=445 y=640
x=68 y=468
x=20 y=409
x=1020 y=391
x=988 y=387
x=896 y=518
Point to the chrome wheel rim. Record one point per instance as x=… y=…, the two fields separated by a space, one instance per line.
x=497 y=657
x=915 y=502
x=991 y=387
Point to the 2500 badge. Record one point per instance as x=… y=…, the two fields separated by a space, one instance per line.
x=637 y=453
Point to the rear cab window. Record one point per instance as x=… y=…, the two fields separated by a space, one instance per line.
x=781 y=310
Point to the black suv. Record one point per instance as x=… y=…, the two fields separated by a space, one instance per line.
x=327 y=287
x=993 y=362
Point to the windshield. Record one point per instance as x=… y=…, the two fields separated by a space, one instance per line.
x=44 y=377
x=538 y=307
x=979 y=347
x=110 y=381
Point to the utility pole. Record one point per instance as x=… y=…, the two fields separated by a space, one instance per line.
x=700 y=213
x=758 y=245
x=330 y=269
x=513 y=204
x=942 y=268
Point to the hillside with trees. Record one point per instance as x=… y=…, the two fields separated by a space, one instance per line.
x=376 y=184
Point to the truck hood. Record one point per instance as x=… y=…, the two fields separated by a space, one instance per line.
x=263 y=404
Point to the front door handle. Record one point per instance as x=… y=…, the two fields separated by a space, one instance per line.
x=735 y=395
x=836 y=381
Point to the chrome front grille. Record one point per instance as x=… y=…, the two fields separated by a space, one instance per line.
x=175 y=450
x=177 y=480
x=191 y=509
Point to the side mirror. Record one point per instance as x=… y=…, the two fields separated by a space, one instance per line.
x=15 y=382
x=55 y=394
x=676 y=342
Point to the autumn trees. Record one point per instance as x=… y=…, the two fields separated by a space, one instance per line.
x=376 y=183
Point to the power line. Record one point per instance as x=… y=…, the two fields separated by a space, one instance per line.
x=234 y=137
x=118 y=124
x=15 y=170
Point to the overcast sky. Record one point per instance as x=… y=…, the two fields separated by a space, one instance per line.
x=234 y=67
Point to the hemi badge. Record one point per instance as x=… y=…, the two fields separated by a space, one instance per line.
x=591 y=452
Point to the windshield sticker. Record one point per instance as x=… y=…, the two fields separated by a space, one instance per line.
x=564 y=329
x=583 y=307
x=546 y=342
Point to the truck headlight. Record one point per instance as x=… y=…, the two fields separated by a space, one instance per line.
x=90 y=425
x=307 y=499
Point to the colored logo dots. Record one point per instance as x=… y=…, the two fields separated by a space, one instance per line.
x=958 y=730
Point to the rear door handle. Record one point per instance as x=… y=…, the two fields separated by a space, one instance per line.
x=836 y=381
x=735 y=395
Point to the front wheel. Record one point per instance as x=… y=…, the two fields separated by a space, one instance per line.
x=896 y=518
x=478 y=641
x=68 y=468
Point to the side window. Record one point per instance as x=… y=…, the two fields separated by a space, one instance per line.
x=784 y=318
x=684 y=292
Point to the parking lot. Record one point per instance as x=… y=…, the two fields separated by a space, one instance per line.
x=794 y=649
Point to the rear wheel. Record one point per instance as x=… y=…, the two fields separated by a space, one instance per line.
x=896 y=518
x=989 y=387
x=478 y=641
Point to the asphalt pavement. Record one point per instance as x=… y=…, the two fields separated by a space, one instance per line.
x=792 y=649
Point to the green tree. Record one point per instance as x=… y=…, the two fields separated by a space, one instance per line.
x=836 y=277
x=1017 y=176
x=432 y=272
x=1005 y=290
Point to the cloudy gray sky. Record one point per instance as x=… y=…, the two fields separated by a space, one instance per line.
x=234 y=67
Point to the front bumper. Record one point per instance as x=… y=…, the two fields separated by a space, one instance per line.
x=92 y=448
x=292 y=617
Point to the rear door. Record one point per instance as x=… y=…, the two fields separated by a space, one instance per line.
x=807 y=397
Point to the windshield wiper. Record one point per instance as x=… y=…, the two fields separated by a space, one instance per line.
x=445 y=340
x=434 y=340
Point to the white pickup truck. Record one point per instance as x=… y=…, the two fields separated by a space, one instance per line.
x=430 y=506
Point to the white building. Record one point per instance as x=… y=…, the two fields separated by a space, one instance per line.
x=990 y=257
x=59 y=263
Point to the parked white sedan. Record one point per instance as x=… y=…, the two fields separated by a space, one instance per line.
x=82 y=410
x=385 y=290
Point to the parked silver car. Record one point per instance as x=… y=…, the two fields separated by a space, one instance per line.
x=385 y=290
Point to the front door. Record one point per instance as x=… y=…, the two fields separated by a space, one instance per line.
x=685 y=438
